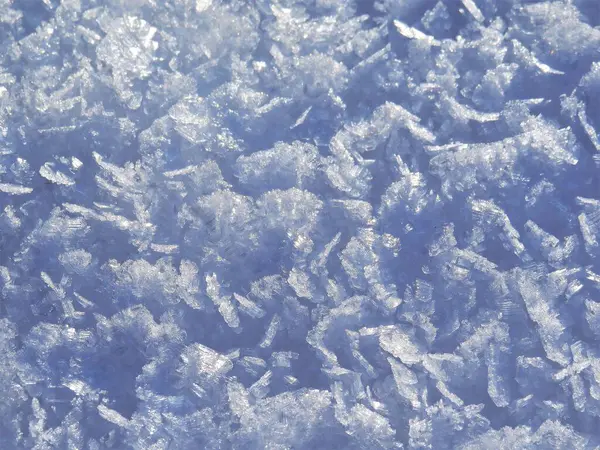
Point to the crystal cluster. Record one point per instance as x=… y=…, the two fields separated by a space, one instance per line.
x=299 y=224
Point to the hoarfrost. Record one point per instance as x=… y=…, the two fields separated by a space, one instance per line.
x=299 y=224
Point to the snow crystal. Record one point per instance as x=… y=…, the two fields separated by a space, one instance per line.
x=293 y=224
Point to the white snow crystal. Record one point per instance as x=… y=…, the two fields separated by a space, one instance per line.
x=291 y=224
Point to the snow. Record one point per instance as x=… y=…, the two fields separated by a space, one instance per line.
x=299 y=224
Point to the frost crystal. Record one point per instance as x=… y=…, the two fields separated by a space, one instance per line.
x=294 y=224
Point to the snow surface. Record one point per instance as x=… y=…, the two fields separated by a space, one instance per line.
x=318 y=224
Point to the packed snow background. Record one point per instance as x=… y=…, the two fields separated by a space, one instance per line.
x=318 y=224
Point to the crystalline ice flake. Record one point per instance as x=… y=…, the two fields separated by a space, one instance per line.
x=13 y=189
x=129 y=46
x=400 y=345
x=413 y=33
x=204 y=361
x=56 y=177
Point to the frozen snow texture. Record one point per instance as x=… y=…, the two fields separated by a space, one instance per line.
x=299 y=224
